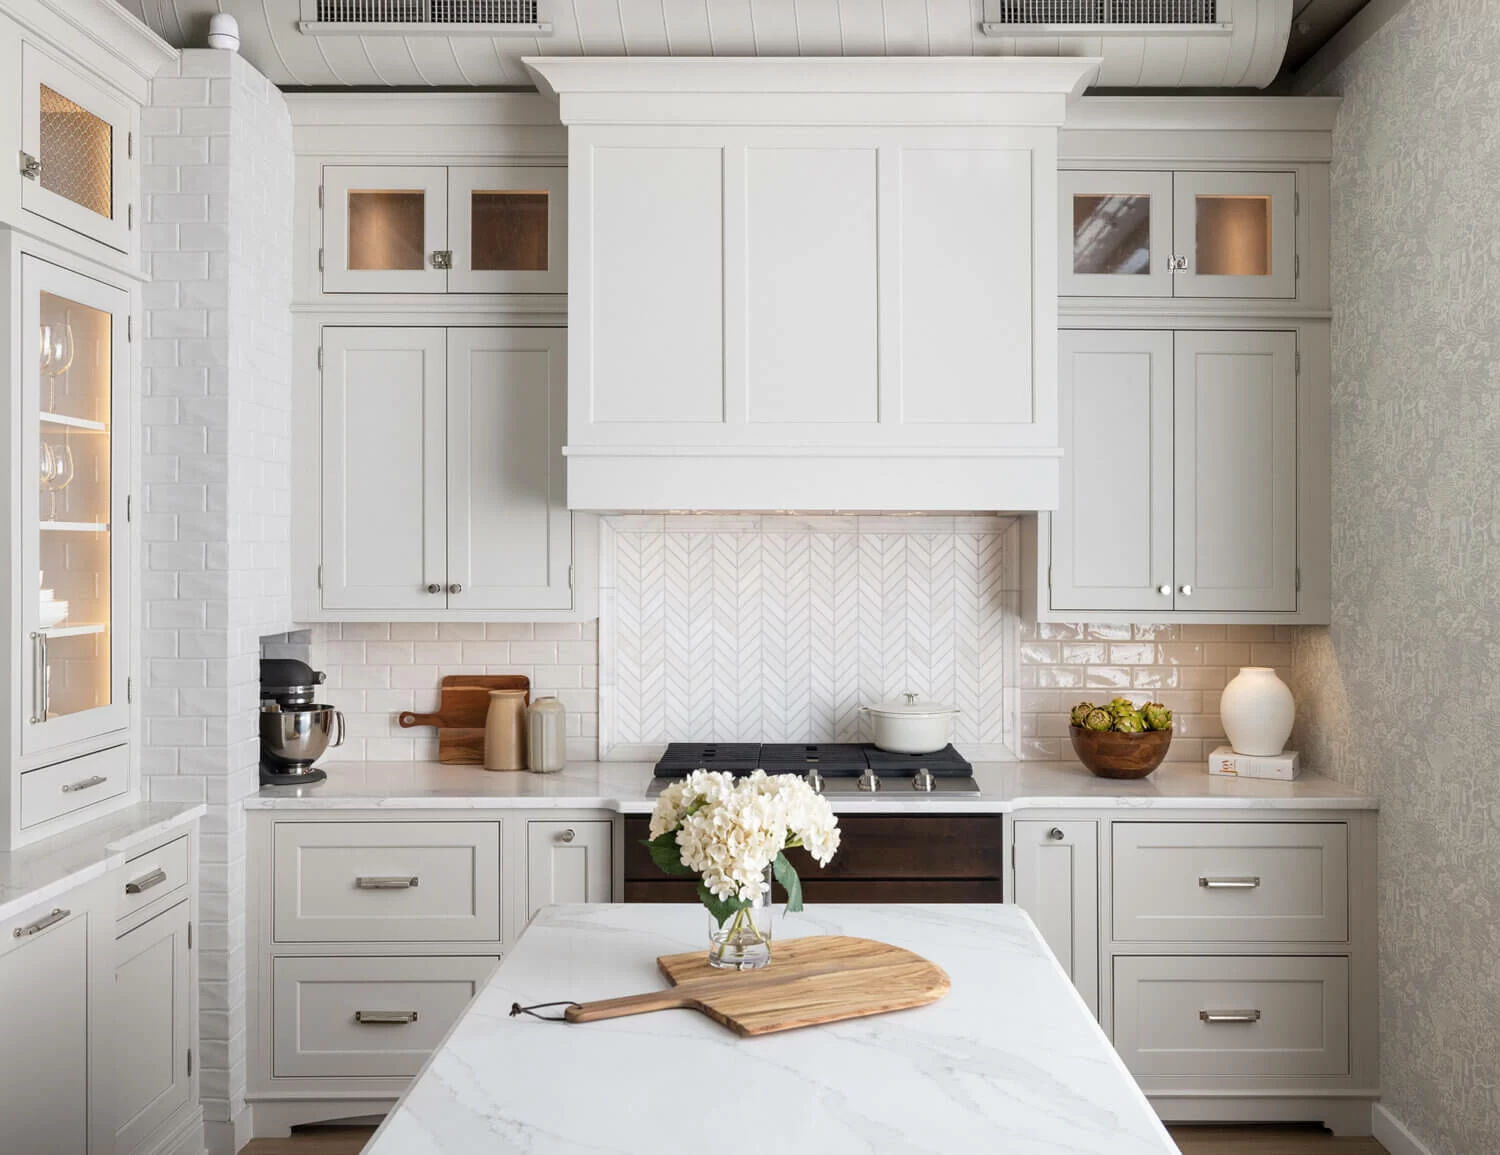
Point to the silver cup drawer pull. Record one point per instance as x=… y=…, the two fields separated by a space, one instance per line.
x=1229 y=1016
x=385 y=1016
x=1236 y=882
x=386 y=882
x=84 y=784
x=41 y=924
x=146 y=881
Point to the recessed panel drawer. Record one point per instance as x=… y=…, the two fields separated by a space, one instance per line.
x=387 y=881
x=1233 y=1015
x=52 y=791
x=366 y=1017
x=153 y=875
x=1231 y=881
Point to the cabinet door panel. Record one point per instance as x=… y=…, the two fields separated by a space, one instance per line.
x=383 y=437
x=1057 y=884
x=153 y=1002
x=810 y=288
x=655 y=308
x=509 y=530
x=1237 y=231
x=567 y=862
x=508 y=229
x=381 y=225
x=1115 y=234
x=1236 y=463
x=44 y=1067
x=1112 y=532
x=965 y=289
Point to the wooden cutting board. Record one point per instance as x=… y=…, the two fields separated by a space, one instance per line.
x=809 y=981
x=462 y=709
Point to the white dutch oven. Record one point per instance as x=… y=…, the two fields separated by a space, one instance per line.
x=910 y=725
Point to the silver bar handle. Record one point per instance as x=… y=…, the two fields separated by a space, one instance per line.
x=386 y=882
x=38 y=677
x=84 y=784
x=338 y=716
x=385 y=1016
x=1229 y=1016
x=146 y=881
x=1236 y=882
x=41 y=924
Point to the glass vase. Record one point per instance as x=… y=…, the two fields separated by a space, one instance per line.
x=742 y=941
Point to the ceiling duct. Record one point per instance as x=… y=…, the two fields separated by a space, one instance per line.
x=418 y=17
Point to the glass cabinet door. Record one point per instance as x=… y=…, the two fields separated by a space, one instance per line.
x=75 y=149
x=1116 y=233
x=74 y=547
x=509 y=228
x=1235 y=234
x=385 y=229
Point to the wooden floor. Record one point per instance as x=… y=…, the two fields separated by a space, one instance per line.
x=1192 y=1140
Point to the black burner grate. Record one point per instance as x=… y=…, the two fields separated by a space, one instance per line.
x=682 y=758
x=946 y=763
x=832 y=759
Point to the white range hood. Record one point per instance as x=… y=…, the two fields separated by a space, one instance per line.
x=813 y=284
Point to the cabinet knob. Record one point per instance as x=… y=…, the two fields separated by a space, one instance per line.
x=434 y=588
x=1165 y=591
x=1185 y=591
x=456 y=588
x=567 y=835
x=1055 y=834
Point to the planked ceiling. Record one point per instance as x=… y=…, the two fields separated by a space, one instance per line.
x=272 y=42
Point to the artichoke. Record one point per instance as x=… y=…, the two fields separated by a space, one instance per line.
x=1131 y=723
x=1099 y=719
x=1121 y=706
x=1156 y=716
x=1081 y=711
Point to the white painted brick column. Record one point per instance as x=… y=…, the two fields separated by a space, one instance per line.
x=215 y=467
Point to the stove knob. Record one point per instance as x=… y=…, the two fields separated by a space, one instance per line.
x=868 y=782
x=814 y=779
x=922 y=780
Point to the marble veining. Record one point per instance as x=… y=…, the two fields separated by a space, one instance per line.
x=35 y=874
x=1011 y=1060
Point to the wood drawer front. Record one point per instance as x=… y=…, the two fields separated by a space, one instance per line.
x=387 y=881
x=1265 y=1016
x=1231 y=881
x=52 y=791
x=366 y=1017
x=153 y=875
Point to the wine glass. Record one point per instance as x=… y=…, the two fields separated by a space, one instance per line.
x=59 y=470
x=57 y=356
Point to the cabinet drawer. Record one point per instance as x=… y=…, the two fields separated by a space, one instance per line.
x=366 y=1017
x=53 y=791
x=1233 y=1015
x=1231 y=881
x=153 y=875
x=387 y=881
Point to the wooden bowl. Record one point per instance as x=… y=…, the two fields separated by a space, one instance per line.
x=1110 y=754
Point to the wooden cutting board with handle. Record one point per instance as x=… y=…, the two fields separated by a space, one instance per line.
x=810 y=981
x=462 y=709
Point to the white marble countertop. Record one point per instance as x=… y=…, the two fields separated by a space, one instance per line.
x=621 y=787
x=1011 y=1060
x=36 y=874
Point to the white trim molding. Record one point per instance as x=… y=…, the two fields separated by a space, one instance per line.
x=1393 y=1134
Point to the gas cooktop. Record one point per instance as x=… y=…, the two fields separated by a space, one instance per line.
x=845 y=769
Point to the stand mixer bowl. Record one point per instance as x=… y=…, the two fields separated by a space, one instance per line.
x=297 y=737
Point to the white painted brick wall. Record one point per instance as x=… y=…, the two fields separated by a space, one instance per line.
x=217 y=229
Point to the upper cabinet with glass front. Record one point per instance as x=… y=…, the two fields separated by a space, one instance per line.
x=437 y=229
x=1178 y=234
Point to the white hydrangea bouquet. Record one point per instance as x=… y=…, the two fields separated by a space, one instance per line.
x=733 y=832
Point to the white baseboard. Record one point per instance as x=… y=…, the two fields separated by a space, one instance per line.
x=227 y=1138
x=1393 y=1135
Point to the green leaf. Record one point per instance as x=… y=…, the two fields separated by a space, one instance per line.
x=786 y=874
x=666 y=853
x=719 y=908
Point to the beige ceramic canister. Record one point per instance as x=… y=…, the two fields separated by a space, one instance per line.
x=505 y=731
x=546 y=736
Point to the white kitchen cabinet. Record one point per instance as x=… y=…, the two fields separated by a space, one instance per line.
x=153 y=996
x=1178 y=234
x=568 y=862
x=1057 y=884
x=406 y=228
x=1181 y=483
x=442 y=470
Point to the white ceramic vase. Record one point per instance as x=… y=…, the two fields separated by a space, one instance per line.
x=1257 y=711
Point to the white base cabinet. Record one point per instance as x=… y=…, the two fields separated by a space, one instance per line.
x=154 y=997
x=1057 y=884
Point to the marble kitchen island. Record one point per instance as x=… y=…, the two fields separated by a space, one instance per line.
x=1011 y=1060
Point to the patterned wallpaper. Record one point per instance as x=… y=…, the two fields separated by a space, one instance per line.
x=1398 y=695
